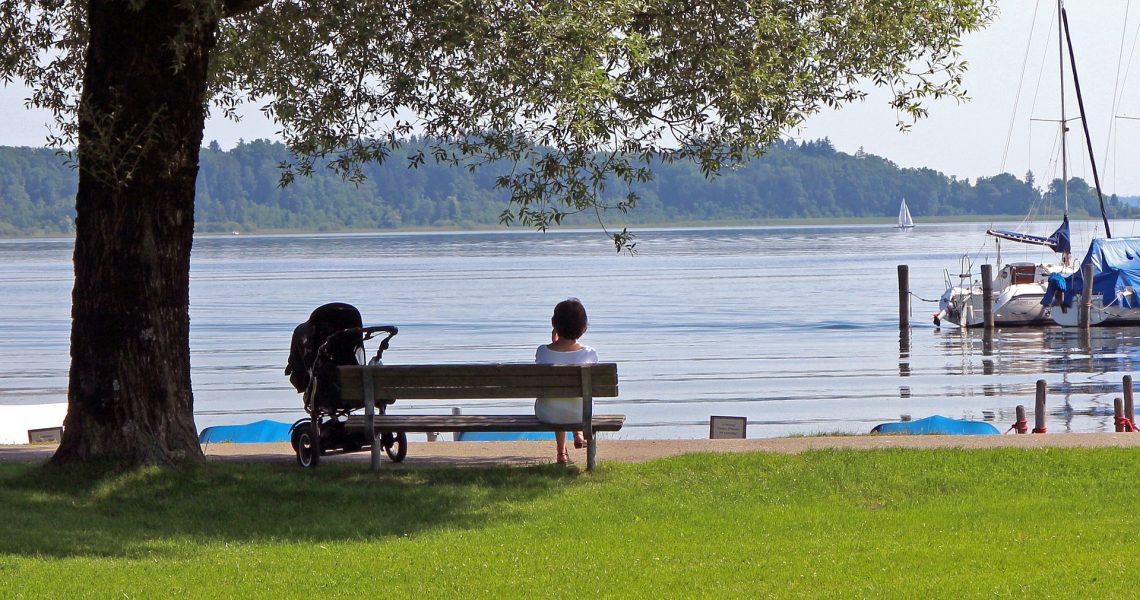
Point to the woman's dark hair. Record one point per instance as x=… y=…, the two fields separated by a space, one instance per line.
x=569 y=319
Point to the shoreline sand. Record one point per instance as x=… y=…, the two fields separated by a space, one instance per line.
x=423 y=454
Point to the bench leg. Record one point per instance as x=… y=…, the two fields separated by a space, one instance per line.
x=375 y=448
x=591 y=451
x=370 y=419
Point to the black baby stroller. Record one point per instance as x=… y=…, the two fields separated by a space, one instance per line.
x=333 y=336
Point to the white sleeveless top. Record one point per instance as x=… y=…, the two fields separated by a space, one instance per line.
x=562 y=410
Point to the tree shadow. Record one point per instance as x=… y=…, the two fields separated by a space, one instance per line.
x=100 y=511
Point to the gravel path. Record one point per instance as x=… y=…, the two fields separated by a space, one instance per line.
x=529 y=453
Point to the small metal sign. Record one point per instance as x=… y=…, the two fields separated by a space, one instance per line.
x=47 y=435
x=728 y=428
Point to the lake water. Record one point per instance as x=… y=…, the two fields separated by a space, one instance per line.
x=795 y=328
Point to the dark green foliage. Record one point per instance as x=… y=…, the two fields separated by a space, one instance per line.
x=37 y=192
x=239 y=190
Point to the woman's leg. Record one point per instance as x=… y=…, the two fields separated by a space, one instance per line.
x=560 y=444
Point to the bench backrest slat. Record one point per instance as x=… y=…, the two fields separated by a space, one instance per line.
x=471 y=381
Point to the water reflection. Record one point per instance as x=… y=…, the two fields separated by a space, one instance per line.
x=1084 y=370
x=904 y=352
x=1043 y=350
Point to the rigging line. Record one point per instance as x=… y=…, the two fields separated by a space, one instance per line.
x=1123 y=86
x=1116 y=96
x=1036 y=96
x=1131 y=55
x=1020 y=82
x=1038 y=205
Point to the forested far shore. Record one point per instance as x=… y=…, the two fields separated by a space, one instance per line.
x=238 y=190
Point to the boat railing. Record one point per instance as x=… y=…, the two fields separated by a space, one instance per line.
x=965 y=276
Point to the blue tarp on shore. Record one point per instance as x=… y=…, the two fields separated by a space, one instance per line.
x=260 y=431
x=937 y=424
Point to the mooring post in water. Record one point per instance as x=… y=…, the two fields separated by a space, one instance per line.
x=1129 y=408
x=904 y=296
x=1039 y=408
x=1086 y=296
x=1020 y=426
x=1118 y=414
x=987 y=295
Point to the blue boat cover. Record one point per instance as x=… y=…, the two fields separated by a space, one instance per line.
x=1060 y=241
x=261 y=431
x=937 y=424
x=1116 y=274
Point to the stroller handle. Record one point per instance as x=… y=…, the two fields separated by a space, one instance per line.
x=366 y=333
x=370 y=332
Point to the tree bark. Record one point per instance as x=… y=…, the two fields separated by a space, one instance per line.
x=141 y=119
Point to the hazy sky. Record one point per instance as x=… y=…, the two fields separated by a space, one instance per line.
x=982 y=137
x=1010 y=124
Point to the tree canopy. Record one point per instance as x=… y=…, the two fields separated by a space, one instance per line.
x=577 y=94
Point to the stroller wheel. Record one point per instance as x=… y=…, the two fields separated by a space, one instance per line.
x=307 y=446
x=396 y=445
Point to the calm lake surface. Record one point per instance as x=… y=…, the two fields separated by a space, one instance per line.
x=795 y=328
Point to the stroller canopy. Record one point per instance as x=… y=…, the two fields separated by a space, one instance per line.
x=308 y=337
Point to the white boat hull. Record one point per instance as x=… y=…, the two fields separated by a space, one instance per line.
x=1098 y=315
x=1014 y=304
x=964 y=307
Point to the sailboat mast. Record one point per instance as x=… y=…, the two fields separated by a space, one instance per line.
x=1064 y=122
x=1085 y=122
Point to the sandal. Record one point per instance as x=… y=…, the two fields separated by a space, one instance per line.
x=563 y=457
x=579 y=442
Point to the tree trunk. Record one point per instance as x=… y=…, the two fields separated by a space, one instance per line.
x=141 y=118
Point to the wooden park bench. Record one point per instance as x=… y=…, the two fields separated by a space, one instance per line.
x=369 y=386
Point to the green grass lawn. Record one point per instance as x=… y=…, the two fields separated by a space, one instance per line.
x=944 y=523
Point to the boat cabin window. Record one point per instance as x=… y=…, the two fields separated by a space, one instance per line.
x=1024 y=274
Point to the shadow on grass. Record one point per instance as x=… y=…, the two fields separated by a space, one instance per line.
x=86 y=511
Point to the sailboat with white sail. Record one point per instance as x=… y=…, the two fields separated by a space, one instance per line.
x=1019 y=288
x=905 y=220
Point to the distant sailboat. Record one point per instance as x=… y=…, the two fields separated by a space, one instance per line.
x=905 y=221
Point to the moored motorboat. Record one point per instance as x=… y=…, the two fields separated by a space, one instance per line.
x=1017 y=293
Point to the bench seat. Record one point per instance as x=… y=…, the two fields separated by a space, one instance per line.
x=456 y=423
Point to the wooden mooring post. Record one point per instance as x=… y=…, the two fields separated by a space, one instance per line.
x=987 y=296
x=1085 y=315
x=904 y=296
x=1020 y=426
x=1039 y=408
x=1118 y=414
x=1129 y=407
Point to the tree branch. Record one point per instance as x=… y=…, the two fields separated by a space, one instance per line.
x=238 y=7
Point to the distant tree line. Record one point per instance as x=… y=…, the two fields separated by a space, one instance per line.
x=238 y=190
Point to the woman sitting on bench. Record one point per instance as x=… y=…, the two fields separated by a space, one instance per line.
x=569 y=324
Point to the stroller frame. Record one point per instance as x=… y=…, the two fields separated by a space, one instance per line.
x=325 y=430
